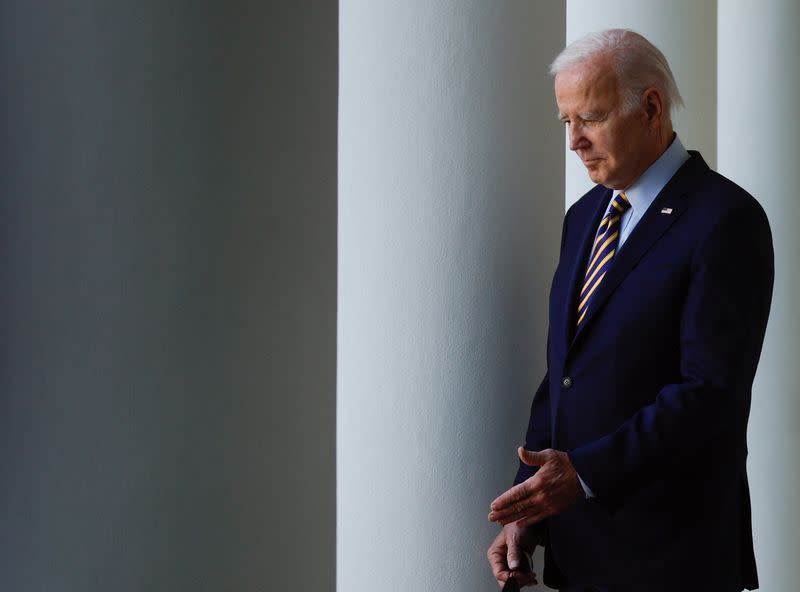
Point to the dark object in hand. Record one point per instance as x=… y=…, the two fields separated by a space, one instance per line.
x=526 y=566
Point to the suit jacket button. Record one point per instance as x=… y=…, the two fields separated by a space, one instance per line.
x=567 y=382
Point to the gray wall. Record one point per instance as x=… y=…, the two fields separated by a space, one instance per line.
x=167 y=295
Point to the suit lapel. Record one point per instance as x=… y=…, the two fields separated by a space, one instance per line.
x=666 y=208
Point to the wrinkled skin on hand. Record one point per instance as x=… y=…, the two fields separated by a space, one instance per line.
x=553 y=488
x=506 y=554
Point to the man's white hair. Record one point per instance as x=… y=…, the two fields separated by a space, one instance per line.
x=638 y=64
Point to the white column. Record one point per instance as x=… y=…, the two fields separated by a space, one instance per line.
x=449 y=225
x=685 y=30
x=759 y=81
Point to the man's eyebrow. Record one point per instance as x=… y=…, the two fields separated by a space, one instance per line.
x=588 y=116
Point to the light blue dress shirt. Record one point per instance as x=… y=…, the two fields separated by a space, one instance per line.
x=645 y=189
x=641 y=195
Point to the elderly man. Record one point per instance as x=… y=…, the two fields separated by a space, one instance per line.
x=633 y=472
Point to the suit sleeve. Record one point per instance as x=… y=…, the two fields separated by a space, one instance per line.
x=538 y=436
x=723 y=323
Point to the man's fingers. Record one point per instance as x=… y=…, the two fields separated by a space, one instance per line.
x=520 y=568
x=502 y=577
x=508 y=548
x=517 y=509
x=526 y=518
x=532 y=458
x=501 y=574
x=534 y=519
x=512 y=496
x=515 y=512
x=509 y=497
x=525 y=578
x=532 y=514
x=511 y=519
x=497 y=558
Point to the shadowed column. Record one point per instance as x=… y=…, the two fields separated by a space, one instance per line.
x=759 y=81
x=167 y=295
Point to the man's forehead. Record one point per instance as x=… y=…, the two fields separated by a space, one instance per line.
x=590 y=71
x=590 y=79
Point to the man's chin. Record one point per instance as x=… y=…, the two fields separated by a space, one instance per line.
x=596 y=176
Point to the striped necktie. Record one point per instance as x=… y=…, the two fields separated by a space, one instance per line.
x=603 y=250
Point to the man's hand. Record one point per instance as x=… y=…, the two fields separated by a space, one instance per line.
x=507 y=552
x=553 y=488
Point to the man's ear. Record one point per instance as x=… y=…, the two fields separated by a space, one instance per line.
x=653 y=106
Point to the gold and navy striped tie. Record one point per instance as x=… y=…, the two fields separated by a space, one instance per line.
x=603 y=251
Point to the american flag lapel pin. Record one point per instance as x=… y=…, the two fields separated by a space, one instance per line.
x=666 y=210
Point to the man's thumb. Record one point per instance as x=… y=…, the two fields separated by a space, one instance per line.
x=531 y=458
x=512 y=557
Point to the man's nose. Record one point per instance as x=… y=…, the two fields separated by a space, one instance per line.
x=576 y=138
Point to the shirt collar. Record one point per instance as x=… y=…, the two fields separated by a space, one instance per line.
x=645 y=189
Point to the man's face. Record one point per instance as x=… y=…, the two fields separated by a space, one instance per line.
x=615 y=147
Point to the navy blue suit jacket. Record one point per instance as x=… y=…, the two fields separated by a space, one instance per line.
x=651 y=397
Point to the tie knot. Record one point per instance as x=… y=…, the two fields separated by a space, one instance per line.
x=619 y=204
